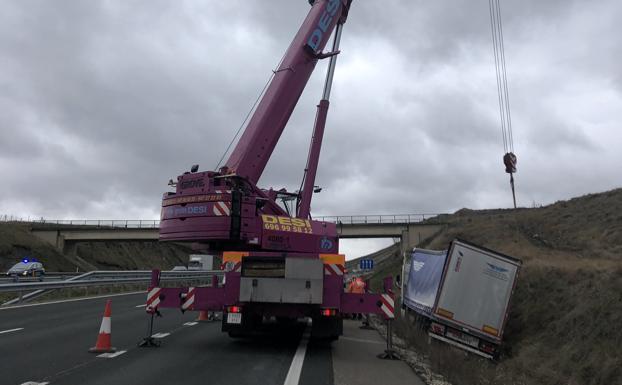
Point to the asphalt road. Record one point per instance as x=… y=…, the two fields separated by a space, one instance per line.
x=52 y=347
x=49 y=343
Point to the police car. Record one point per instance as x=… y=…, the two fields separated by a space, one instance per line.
x=27 y=268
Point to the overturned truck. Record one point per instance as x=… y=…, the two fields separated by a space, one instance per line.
x=462 y=294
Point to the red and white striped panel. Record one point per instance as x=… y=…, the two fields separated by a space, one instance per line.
x=388 y=305
x=333 y=269
x=153 y=299
x=189 y=300
x=222 y=209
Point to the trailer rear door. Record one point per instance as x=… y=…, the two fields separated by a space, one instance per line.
x=476 y=288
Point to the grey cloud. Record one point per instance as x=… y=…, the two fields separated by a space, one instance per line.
x=111 y=99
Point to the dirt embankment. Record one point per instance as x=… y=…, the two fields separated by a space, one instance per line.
x=566 y=312
x=17 y=242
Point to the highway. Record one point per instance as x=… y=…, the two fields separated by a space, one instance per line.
x=48 y=343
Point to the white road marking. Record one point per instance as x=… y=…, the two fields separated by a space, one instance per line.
x=34 y=383
x=161 y=335
x=10 y=330
x=143 y=305
x=293 y=375
x=190 y=323
x=69 y=300
x=112 y=355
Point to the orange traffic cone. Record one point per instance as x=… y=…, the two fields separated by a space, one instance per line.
x=203 y=316
x=103 y=339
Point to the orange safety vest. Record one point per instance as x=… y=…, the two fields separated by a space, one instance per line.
x=357 y=286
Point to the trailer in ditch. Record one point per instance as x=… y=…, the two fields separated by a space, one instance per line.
x=466 y=304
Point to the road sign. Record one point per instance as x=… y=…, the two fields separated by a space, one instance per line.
x=366 y=264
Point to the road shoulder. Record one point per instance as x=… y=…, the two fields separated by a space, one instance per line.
x=355 y=360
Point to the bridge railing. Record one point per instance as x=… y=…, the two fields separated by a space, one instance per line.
x=154 y=223
x=120 y=223
x=379 y=219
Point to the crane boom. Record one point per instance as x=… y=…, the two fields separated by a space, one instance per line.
x=251 y=154
x=277 y=264
x=225 y=209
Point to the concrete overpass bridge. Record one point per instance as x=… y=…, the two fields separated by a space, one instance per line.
x=410 y=228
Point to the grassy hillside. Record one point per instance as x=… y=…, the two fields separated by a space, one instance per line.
x=567 y=308
x=16 y=242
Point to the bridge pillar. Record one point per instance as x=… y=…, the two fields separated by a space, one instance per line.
x=405 y=241
x=60 y=243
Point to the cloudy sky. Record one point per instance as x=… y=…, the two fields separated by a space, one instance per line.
x=101 y=102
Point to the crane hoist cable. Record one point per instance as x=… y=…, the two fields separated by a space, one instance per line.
x=509 y=159
x=248 y=114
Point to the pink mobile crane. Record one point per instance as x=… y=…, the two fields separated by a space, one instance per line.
x=278 y=262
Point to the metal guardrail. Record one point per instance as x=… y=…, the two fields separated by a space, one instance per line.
x=153 y=224
x=59 y=276
x=102 y=278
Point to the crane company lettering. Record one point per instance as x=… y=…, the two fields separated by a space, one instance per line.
x=278 y=223
x=171 y=212
x=192 y=183
x=322 y=26
x=196 y=199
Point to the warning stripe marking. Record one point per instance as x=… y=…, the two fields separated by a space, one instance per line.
x=388 y=305
x=222 y=209
x=333 y=269
x=189 y=301
x=153 y=299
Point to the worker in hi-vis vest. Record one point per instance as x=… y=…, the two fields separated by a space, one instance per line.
x=356 y=286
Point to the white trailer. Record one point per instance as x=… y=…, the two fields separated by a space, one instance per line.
x=473 y=299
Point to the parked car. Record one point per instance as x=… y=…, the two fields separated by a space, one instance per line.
x=27 y=268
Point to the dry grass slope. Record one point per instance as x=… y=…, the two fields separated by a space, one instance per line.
x=17 y=242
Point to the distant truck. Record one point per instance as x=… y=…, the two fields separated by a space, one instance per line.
x=464 y=293
x=201 y=262
x=197 y=262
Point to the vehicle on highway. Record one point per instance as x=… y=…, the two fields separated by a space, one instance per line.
x=26 y=268
x=201 y=262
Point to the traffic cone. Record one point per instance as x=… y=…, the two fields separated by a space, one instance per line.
x=103 y=344
x=203 y=316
